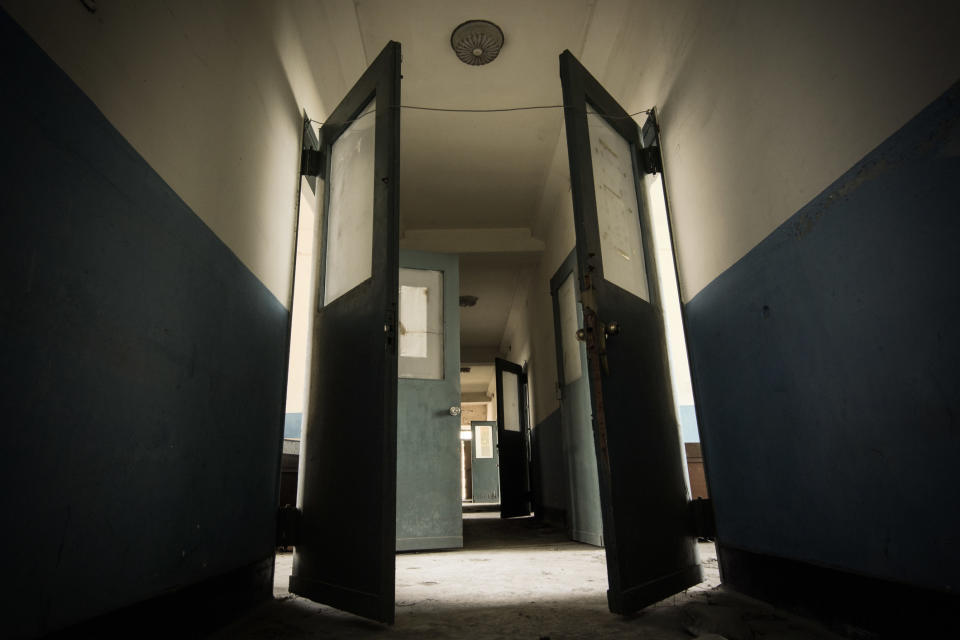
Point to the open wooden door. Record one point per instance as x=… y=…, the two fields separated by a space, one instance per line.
x=429 y=512
x=651 y=553
x=345 y=555
x=512 y=440
x=484 y=462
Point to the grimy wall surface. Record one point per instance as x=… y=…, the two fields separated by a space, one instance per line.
x=819 y=324
x=149 y=172
x=826 y=362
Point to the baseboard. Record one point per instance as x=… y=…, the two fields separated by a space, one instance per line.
x=193 y=611
x=843 y=601
x=422 y=544
x=587 y=537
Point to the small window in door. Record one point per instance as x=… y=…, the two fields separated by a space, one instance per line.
x=484 y=441
x=349 y=248
x=511 y=401
x=618 y=214
x=421 y=324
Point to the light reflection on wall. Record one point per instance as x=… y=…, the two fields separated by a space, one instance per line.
x=213 y=99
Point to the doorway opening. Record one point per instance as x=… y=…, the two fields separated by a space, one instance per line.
x=654 y=193
x=389 y=441
x=302 y=301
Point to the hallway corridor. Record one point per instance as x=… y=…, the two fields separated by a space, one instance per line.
x=520 y=578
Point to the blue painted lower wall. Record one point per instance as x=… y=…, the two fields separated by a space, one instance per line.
x=293 y=425
x=143 y=369
x=549 y=468
x=687 y=414
x=826 y=365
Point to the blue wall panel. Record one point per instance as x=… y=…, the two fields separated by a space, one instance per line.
x=687 y=414
x=549 y=467
x=293 y=425
x=826 y=364
x=143 y=368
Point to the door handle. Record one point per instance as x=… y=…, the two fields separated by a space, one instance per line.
x=455 y=411
x=610 y=329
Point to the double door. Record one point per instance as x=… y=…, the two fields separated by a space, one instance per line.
x=349 y=528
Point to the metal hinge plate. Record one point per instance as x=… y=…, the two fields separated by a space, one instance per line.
x=312 y=162
x=651 y=160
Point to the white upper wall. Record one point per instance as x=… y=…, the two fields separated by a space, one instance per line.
x=212 y=95
x=764 y=104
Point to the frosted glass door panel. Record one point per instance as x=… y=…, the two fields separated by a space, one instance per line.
x=618 y=216
x=567 y=302
x=421 y=324
x=484 y=441
x=349 y=250
x=511 y=402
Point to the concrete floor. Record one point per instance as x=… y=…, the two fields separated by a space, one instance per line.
x=521 y=579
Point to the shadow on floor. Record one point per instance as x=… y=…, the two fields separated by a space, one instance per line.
x=705 y=614
x=520 y=578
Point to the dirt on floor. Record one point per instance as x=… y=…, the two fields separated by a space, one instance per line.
x=522 y=579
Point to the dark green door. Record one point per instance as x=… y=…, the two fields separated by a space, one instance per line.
x=345 y=556
x=512 y=439
x=584 y=520
x=485 y=461
x=651 y=553
x=429 y=513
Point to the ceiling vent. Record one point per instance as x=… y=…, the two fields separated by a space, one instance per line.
x=477 y=42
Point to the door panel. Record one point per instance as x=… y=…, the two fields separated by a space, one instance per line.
x=345 y=557
x=643 y=495
x=429 y=513
x=485 y=462
x=512 y=440
x=585 y=522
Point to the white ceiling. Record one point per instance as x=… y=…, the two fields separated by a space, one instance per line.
x=477 y=170
x=495 y=280
x=478 y=380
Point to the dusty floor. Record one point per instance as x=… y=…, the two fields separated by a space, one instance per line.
x=521 y=579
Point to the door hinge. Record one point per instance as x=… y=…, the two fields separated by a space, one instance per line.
x=651 y=160
x=288 y=526
x=311 y=163
x=702 y=522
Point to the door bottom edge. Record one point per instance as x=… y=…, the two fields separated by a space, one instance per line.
x=362 y=603
x=636 y=598
x=434 y=543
